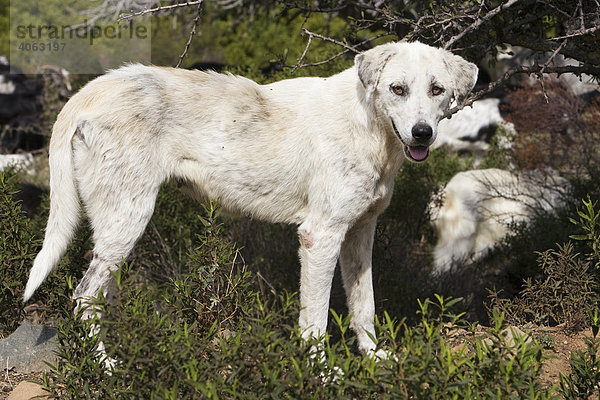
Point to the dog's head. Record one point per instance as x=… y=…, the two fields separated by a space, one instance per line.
x=412 y=84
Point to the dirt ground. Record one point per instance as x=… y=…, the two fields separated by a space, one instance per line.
x=10 y=379
x=561 y=345
x=564 y=345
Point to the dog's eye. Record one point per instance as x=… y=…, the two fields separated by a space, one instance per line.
x=398 y=90
x=436 y=90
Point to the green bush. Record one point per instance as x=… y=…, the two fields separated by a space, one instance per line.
x=18 y=243
x=584 y=380
x=20 y=240
x=589 y=223
x=165 y=352
x=567 y=281
x=557 y=297
x=208 y=333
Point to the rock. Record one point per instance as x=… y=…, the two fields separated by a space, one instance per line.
x=512 y=335
x=27 y=348
x=27 y=390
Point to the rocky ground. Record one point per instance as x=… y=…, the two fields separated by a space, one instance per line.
x=22 y=359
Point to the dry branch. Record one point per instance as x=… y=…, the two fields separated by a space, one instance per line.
x=160 y=8
x=534 y=69
x=480 y=21
x=191 y=37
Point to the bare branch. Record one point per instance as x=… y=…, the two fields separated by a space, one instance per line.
x=580 y=32
x=348 y=48
x=534 y=69
x=192 y=33
x=299 y=62
x=161 y=8
x=480 y=21
x=328 y=39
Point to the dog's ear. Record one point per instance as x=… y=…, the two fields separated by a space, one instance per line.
x=370 y=63
x=463 y=73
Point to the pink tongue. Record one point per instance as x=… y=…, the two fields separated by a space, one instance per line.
x=418 y=152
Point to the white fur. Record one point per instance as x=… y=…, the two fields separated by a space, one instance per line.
x=479 y=206
x=317 y=152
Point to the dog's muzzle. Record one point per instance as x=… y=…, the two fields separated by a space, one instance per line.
x=416 y=153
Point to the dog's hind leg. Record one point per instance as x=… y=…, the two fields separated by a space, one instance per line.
x=118 y=186
x=118 y=218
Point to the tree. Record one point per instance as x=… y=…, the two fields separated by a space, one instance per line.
x=476 y=29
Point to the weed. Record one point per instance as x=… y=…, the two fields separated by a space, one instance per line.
x=584 y=380
x=547 y=341
x=589 y=222
x=18 y=244
x=559 y=297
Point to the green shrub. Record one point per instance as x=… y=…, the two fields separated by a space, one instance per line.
x=589 y=223
x=584 y=380
x=18 y=243
x=557 y=297
x=20 y=240
x=567 y=281
x=171 y=342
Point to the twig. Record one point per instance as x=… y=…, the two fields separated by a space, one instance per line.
x=552 y=57
x=298 y=63
x=328 y=39
x=161 y=8
x=192 y=33
x=263 y=279
x=546 y=64
x=347 y=48
x=8 y=376
x=165 y=255
x=534 y=69
x=475 y=25
x=580 y=32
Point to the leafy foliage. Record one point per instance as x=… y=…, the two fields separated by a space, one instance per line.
x=589 y=222
x=164 y=352
x=559 y=297
x=18 y=244
x=583 y=381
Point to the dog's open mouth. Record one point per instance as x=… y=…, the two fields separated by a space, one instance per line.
x=414 y=153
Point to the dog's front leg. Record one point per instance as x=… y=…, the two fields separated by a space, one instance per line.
x=355 y=262
x=319 y=251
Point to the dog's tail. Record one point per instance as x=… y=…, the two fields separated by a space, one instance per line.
x=64 y=201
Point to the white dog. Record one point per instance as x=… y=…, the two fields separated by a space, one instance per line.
x=321 y=153
x=478 y=207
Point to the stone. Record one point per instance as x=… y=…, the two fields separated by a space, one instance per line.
x=27 y=348
x=27 y=390
x=512 y=335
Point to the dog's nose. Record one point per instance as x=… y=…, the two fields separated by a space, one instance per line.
x=422 y=131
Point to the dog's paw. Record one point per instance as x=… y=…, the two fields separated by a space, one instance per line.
x=109 y=363
x=382 y=355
